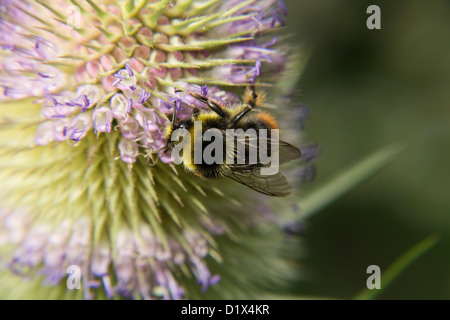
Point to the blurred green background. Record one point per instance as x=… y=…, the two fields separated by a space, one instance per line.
x=367 y=89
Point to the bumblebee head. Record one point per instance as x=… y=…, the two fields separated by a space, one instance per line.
x=181 y=125
x=168 y=132
x=174 y=126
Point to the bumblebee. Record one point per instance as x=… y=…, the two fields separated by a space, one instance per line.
x=217 y=116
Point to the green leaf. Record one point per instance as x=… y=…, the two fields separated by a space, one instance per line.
x=348 y=180
x=398 y=266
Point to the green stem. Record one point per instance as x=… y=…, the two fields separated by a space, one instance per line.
x=398 y=266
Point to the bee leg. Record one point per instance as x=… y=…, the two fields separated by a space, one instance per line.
x=174 y=115
x=238 y=117
x=252 y=98
x=214 y=106
x=165 y=148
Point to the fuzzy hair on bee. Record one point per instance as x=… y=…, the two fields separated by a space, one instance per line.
x=217 y=116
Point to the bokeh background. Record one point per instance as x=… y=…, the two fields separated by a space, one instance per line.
x=367 y=89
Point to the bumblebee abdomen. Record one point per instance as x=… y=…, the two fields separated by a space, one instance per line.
x=209 y=171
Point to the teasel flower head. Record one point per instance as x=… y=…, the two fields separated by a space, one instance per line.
x=86 y=90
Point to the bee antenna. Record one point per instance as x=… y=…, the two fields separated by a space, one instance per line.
x=253 y=90
x=174 y=115
x=251 y=97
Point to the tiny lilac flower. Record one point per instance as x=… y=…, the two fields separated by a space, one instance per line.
x=128 y=151
x=144 y=97
x=79 y=127
x=60 y=128
x=147 y=119
x=129 y=128
x=204 y=90
x=125 y=80
x=102 y=119
x=120 y=106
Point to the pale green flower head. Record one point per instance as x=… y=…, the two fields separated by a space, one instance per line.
x=86 y=92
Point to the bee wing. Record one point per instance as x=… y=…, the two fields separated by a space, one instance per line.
x=286 y=151
x=250 y=175
x=273 y=185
